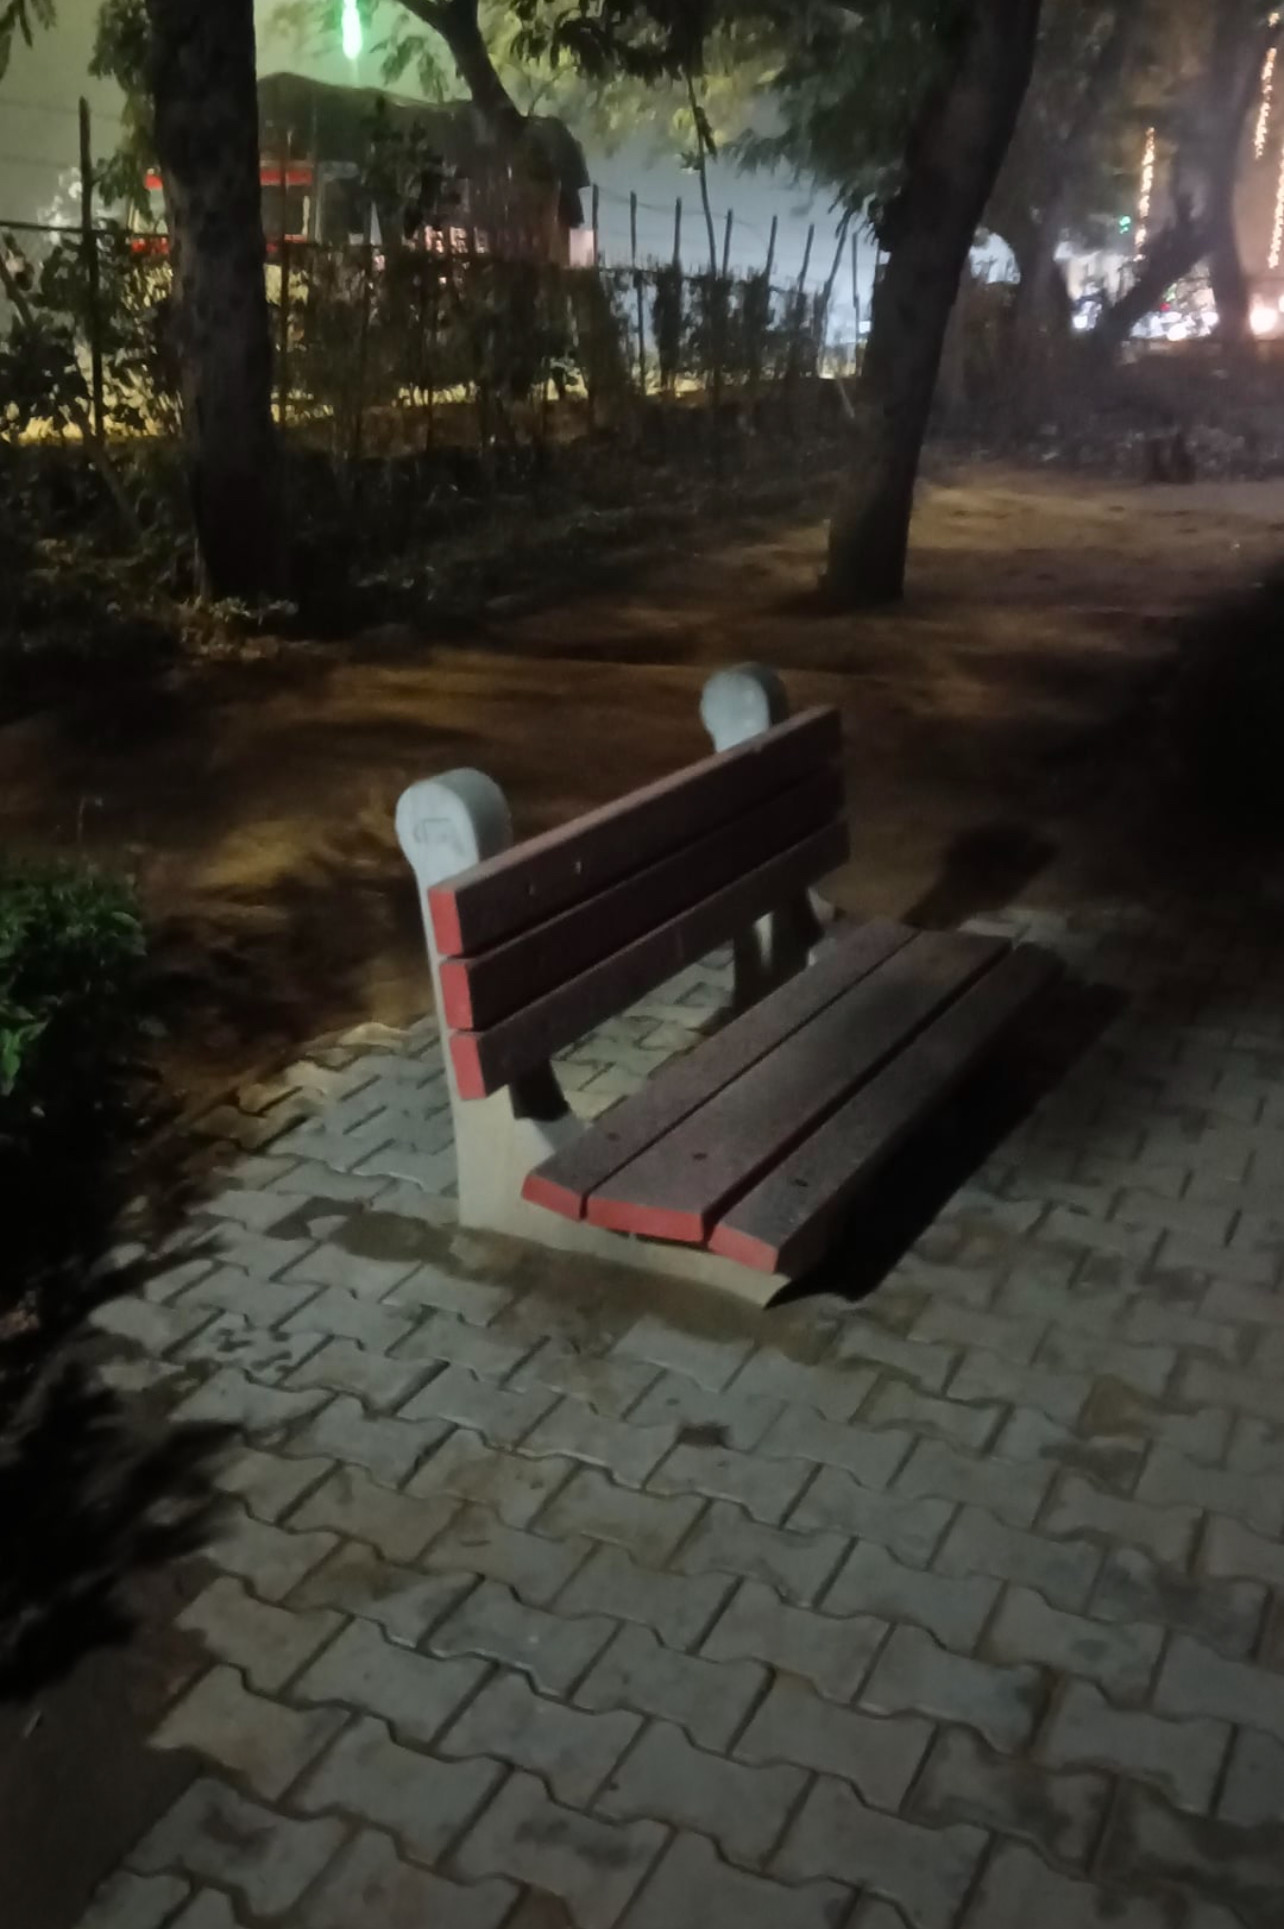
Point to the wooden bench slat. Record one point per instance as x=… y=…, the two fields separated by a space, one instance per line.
x=477 y=992
x=785 y=1222
x=682 y=1185
x=564 y=1182
x=532 y=881
x=484 y=1061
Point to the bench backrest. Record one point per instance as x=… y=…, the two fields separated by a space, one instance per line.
x=549 y=938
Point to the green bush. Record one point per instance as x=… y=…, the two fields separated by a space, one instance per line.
x=71 y=943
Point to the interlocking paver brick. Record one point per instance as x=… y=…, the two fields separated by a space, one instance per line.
x=231 y=1399
x=872 y=1454
x=630 y=1453
x=834 y=1390
x=1132 y=1587
x=1080 y=1508
x=795 y=1561
x=872 y=1581
x=966 y=1781
x=1170 y=1477
x=953 y=1419
x=483 y=1351
x=1115 y=1409
x=330 y=1265
x=694 y=1889
x=1121 y=1658
x=424 y=1803
x=572 y=1751
x=375 y=1379
x=128 y=1901
x=1201 y=1383
x=911 y=1528
x=269 y=1483
x=832 y=1653
x=1148 y=1839
x=709 y=1699
x=366 y=1671
x=266 y=1743
x=1182 y=1253
x=649 y=1526
x=344 y=1315
x=666 y=1779
x=369 y=1883
x=611 y=1386
x=1147 y=1368
x=925 y=1872
x=1011 y=1339
x=984 y=1376
x=501 y=1415
x=1032 y=1437
x=1183 y=1757
x=553 y=1649
x=351 y=1503
x=710 y=1362
x=914 y=1675
x=478 y=1542
x=405 y=1602
x=229 y=1341
x=594 y=1866
x=862 y=1342
x=765 y=1488
x=1253 y=1791
x=677 y=1607
x=1196 y=1681
x=731 y=1419
x=1062 y=1570
x=1019 y=1890
x=271 y=1559
x=1231 y=1549
x=878 y=1756
x=937 y=1471
x=268 y=1644
x=512 y=1486
x=1152 y=1323
x=214 y=1833
x=1065 y=1226
x=388 y=1448
x=153 y=1326
x=261 y=1303
x=476 y=1301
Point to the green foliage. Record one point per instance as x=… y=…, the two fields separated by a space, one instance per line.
x=122 y=52
x=20 y=17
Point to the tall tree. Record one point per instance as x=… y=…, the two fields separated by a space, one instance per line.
x=19 y=17
x=205 y=125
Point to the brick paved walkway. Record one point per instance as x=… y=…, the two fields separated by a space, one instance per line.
x=545 y=1600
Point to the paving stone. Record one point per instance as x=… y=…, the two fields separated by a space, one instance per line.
x=231 y=1399
x=951 y=1419
x=476 y=1301
x=502 y=1416
x=864 y=1343
x=666 y=1779
x=878 y=1757
x=983 y=1376
x=611 y=1387
x=1233 y=1304
x=388 y=1448
x=911 y=1528
x=833 y=1654
x=765 y=1488
x=966 y=1781
x=128 y=1901
x=369 y=1278
x=554 y=1650
x=629 y=1453
x=649 y=1526
x=1065 y=1226
x=424 y=1803
x=1152 y=1323
x=366 y=1671
x=1201 y=1383
x=1170 y=1477
x=214 y=1833
x=1019 y=1890
x=977 y=1543
x=370 y=1883
x=228 y=1341
x=1242 y=1871
x=736 y=1418
x=914 y=1675
x=441 y=1336
x=510 y=1485
x=398 y=1525
x=1119 y=1410
x=208 y=1909
x=1229 y=1548
x=1196 y=1681
x=1015 y=1340
x=271 y=1559
x=677 y=1607
x=1146 y=1368
x=573 y=1752
x=404 y=1602
x=374 y=1379
x=268 y=1644
x=872 y=1581
x=871 y=1454
x=1030 y=1438
x=1184 y=1758
x=936 y=1471
x=832 y=1389
x=154 y=1327
x=712 y=1363
x=1132 y=1587
x=344 y=1315
x=1122 y=1659
x=263 y=1303
x=1182 y=1253
x=1253 y=1792
x=1080 y=1508
x=266 y=1743
x=710 y=1699
x=160 y=1282
x=477 y=1542
x=694 y=1889
x=795 y=1561
x=925 y=1872
x=269 y=1483
x=594 y=1866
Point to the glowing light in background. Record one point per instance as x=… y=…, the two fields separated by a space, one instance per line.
x=1147 y=189
x=1264 y=111
x=351 y=30
x=1277 y=231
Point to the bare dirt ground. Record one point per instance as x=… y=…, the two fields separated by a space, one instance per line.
x=996 y=732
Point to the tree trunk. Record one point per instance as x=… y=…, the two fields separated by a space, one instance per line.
x=955 y=153
x=458 y=24
x=1230 y=283
x=207 y=143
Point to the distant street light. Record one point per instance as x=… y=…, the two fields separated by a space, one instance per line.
x=351 y=30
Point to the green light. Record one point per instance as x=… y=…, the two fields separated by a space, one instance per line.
x=1125 y=224
x=352 y=36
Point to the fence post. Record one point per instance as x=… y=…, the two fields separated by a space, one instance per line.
x=726 y=243
x=363 y=336
x=637 y=284
x=771 y=247
x=89 y=247
x=597 y=226
x=677 y=232
x=283 y=350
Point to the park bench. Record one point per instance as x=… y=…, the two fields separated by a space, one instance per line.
x=738 y=1162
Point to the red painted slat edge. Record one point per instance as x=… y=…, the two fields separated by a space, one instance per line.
x=565 y=1179
x=756 y=1121
x=484 y=905
x=486 y=1061
x=490 y=986
x=900 y=1097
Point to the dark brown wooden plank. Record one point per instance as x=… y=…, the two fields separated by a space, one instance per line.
x=785 y=1223
x=533 y=880
x=681 y=1186
x=564 y=1182
x=486 y=1060
x=477 y=992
